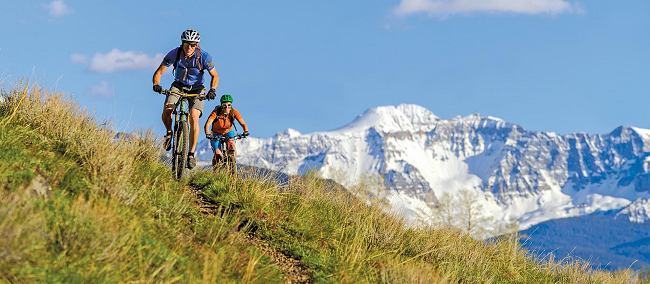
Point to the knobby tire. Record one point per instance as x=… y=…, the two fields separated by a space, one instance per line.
x=180 y=149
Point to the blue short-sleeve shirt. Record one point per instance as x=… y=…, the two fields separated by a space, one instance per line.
x=187 y=71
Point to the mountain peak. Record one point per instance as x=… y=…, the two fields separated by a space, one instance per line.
x=620 y=131
x=404 y=117
x=288 y=133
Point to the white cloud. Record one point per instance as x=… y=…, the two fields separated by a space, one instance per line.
x=101 y=90
x=118 y=60
x=449 y=7
x=79 y=58
x=58 y=8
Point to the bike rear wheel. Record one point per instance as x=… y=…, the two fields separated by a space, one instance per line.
x=180 y=149
x=231 y=163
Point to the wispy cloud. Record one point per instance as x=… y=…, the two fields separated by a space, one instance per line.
x=118 y=60
x=58 y=8
x=449 y=7
x=103 y=89
x=79 y=58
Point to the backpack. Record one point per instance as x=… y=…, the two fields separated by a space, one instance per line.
x=197 y=57
x=231 y=116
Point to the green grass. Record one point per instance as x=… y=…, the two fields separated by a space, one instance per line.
x=341 y=239
x=111 y=213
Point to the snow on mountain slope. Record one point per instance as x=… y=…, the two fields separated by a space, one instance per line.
x=519 y=175
x=391 y=119
x=638 y=211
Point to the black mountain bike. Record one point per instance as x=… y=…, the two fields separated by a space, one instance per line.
x=181 y=132
x=228 y=158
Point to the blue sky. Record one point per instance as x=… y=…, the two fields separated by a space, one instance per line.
x=547 y=65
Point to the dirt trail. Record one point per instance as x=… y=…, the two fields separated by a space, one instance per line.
x=293 y=272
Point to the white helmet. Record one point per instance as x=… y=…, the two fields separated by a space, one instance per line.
x=191 y=35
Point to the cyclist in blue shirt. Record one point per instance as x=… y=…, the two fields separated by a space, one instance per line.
x=189 y=62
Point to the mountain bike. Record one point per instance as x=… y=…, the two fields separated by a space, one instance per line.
x=228 y=158
x=181 y=132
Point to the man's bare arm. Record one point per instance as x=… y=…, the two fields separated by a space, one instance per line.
x=215 y=78
x=156 y=75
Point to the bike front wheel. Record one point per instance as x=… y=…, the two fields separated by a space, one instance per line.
x=180 y=149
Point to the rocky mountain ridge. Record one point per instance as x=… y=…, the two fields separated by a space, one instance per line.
x=518 y=175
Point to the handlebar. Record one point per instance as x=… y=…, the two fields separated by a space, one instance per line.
x=170 y=92
x=225 y=138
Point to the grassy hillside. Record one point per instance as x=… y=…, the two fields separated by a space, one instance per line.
x=79 y=206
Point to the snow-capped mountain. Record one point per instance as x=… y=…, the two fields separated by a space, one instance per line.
x=518 y=175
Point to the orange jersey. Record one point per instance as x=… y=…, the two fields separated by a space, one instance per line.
x=222 y=123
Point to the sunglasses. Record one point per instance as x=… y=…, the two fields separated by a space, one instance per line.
x=226 y=105
x=191 y=44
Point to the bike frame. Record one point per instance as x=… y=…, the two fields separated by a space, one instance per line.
x=183 y=113
x=224 y=141
x=227 y=157
x=181 y=123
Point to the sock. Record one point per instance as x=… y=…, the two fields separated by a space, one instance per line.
x=191 y=154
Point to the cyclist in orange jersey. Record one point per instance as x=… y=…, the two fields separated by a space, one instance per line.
x=222 y=120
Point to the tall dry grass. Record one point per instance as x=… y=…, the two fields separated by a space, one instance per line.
x=73 y=131
x=111 y=211
x=340 y=236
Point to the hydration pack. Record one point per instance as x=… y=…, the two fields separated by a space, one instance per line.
x=231 y=116
x=197 y=58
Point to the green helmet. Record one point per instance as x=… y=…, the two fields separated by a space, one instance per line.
x=225 y=98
